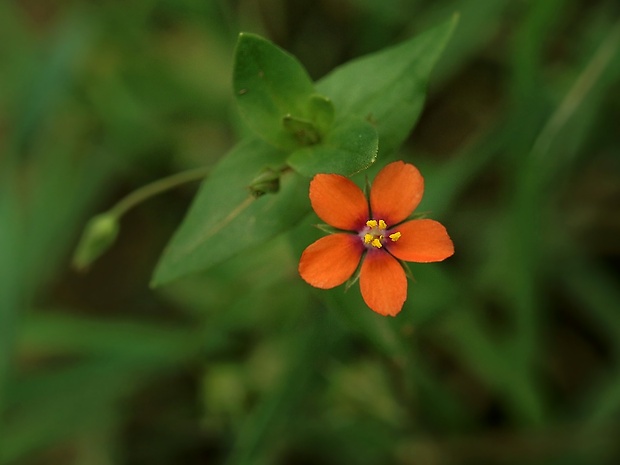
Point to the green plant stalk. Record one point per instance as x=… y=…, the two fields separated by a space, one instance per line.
x=577 y=94
x=157 y=187
x=101 y=231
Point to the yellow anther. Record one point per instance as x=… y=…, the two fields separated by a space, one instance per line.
x=395 y=236
x=373 y=235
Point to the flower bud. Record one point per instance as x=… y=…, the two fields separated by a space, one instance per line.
x=304 y=131
x=267 y=182
x=99 y=234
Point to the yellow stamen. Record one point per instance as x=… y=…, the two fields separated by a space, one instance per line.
x=375 y=234
x=394 y=236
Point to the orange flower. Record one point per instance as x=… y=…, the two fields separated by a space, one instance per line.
x=376 y=232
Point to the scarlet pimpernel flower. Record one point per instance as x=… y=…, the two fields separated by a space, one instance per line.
x=374 y=232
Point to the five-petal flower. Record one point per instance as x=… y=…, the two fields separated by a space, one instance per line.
x=374 y=232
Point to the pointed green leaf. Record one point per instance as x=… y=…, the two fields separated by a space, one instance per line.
x=270 y=83
x=351 y=146
x=388 y=87
x=225 y=218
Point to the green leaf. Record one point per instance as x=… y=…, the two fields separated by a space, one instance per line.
x=269 y=84
x=351 y=146
x=225 y=218
x=388 y=87
x=153 y=346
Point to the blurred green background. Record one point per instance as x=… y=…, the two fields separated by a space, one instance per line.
x=507 y=353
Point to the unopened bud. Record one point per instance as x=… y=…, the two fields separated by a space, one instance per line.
x=304 y=131
x=99 y=234
x=267 y=182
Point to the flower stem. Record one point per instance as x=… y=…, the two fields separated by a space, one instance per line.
x=101 y=231
x=157 y=187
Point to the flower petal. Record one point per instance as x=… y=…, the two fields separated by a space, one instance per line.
x=396 y=192
x=421 y=241
x=383 y=283
x=338 y=201
x=331 y=260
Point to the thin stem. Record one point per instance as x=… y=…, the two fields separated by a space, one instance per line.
x=157 y=187
x=578 y=92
